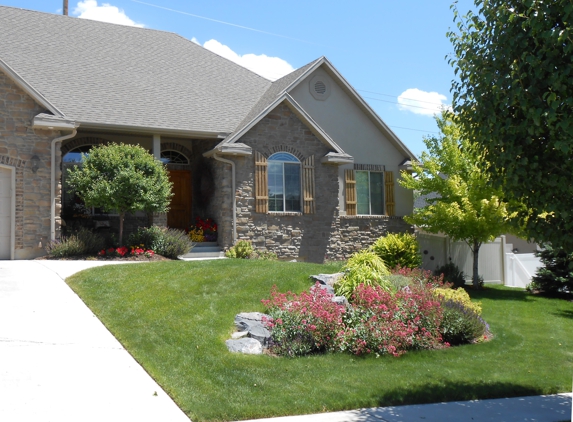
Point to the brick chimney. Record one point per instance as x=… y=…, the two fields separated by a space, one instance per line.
x=66 y=7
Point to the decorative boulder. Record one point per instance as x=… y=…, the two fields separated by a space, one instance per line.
x=246 y=345
x=252 y=322
x=327 y=279
x=329 y=289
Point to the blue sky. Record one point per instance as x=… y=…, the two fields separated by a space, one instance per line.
x=392 y=52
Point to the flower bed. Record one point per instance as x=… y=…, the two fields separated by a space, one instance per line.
x=377 y=320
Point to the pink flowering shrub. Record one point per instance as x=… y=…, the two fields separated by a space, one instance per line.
x=304 y=323
x=377 y=322
x=381 y=322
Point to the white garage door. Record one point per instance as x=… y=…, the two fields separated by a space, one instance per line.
x=5 y=212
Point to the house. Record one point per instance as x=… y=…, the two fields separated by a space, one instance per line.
x=302 y=166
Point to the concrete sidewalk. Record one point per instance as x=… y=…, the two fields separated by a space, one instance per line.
x=553 y=408
x=59 y=363
x=57 y=360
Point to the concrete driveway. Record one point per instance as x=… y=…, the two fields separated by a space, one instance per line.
x=57 y=360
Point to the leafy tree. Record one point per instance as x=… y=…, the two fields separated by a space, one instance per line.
x=468 y=207
x=121 y=177
x=514 y=96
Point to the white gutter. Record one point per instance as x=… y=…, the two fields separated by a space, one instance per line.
x=53 y=184
x=223 y=160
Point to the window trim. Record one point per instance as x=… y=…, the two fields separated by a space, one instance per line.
x=383 y=199
x=293 y=160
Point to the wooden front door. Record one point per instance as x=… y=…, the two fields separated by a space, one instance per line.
x=179 y=215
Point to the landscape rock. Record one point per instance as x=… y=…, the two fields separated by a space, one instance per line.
x=246 y=345
x=239 y=334
x=329 y=289
x=252 y=322
x=327 y=279
x=340 y=300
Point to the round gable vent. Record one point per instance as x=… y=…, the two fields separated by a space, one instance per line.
x=320 y=87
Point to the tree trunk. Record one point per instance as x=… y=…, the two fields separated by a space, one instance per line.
x=121 y=217
x=475 y=275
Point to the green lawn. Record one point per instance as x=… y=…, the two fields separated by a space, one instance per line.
x=174 y=318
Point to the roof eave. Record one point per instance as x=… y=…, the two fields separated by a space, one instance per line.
x=151 y=130
x=29 y=89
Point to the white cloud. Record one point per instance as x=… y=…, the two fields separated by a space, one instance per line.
x=89 y=9
x=422 y=102
x=271 y=68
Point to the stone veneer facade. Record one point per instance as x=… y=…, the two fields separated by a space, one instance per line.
x=324 y=235
x=19 y=142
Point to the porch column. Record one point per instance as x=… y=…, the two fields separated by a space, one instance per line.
x=157 y=146
x=158 y=219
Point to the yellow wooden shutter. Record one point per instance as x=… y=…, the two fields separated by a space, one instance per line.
x=261 y=184
x=308 y=184
x=389 y=183
x=350 y=192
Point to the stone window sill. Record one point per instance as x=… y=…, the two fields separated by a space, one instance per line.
x=367 y=217
x=284 y=214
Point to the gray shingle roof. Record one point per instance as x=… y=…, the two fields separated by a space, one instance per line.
x=274 y=91
x=112 y=74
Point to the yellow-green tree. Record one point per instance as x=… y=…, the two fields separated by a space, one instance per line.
x=468 y=206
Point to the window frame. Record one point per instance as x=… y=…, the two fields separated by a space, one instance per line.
x=369 y=185
x=292 y=161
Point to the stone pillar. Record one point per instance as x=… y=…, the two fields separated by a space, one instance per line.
x=158 y=219
x=157 y=146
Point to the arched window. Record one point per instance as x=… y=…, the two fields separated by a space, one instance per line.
x=173 y=157
x=74 y=156
x=284 y=182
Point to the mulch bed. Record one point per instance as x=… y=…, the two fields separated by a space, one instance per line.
x=142 y=258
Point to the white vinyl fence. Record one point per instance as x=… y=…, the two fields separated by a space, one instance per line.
x=497 y=262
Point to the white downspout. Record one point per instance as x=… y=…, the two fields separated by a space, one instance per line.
x=53 y=184
x=224 y=160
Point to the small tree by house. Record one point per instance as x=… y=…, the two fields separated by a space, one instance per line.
x=468 y=207
x=124 y=178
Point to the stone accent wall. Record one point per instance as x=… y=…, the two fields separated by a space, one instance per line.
x=290 y=235
x=353 y=233
x=324 y=235
x=18 y=144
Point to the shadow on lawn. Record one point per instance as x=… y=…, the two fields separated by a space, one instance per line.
x=564 y=314
x=496 y=294
x=455 y=391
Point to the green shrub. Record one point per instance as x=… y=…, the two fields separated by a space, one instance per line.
x=556 y=276
x=173 y=243
x=398 y=281
x=452 y=274
x=149 y=237
x=400 y=249
x=170 y=243
x=243 y=249
x=460 y=325
x=83 y=242
x=364 y=267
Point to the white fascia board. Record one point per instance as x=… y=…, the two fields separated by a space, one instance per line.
x=338 y=159
x=358 y=98
x=236 y=149
x=46 y=121
x=29 y=89
x=162 y=131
